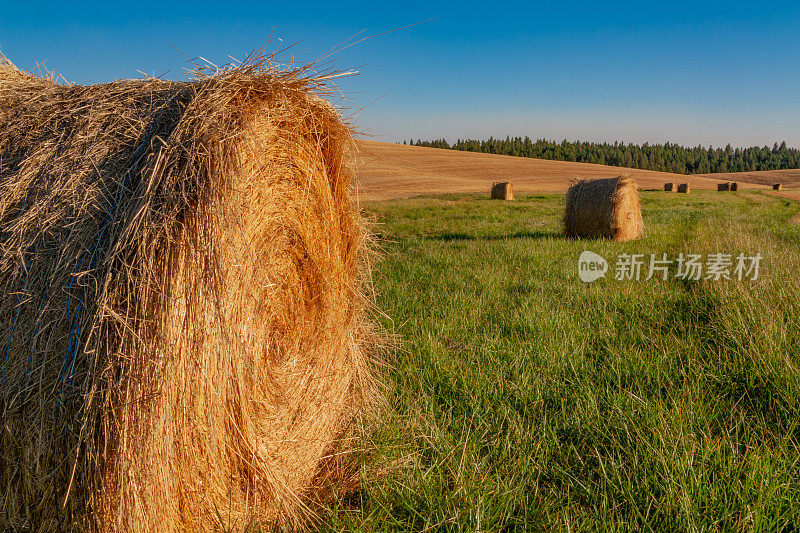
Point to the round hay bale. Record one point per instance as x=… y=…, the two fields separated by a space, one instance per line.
x=669 y=186
x=182 y=271
x=604 y=208
x=723 y=186
x=734 y=186
x=777 y=187
x=684 y=188
x=502 y=190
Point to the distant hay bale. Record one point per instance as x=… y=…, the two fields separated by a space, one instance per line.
x=777 y=187
x=684 y=188
x=723 y=186
x=669 y=186
x=182 y=270
x=734 y=186
x=604 y=208
x=502 y=190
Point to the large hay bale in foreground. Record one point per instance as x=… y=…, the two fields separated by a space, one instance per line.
x=604 y=208
x=723 y=186
x=669 y=186
x=502 y=190
x=777 y=187
x=684 y=188
x=182 y=313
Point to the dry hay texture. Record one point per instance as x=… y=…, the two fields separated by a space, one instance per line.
x=607 y=207
x=684 y=188
x=183 y=342
x=723 y=186
x=669 y=186
x=502 y=190
x=777 y=187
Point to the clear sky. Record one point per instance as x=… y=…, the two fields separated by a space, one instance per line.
x=699 y=72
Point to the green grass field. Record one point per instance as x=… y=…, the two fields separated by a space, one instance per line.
x=520 y=398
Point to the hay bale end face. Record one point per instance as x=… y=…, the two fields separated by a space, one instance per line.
x=502 y=190
x=604 y=208
x=669 y=186
x=182 y=309
x=777 y=187
x=723 y=186
x=734 y=186
x=684 y=188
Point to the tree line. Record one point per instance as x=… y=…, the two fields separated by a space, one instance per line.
x=667 y=157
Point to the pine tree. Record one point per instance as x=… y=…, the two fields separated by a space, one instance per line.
x=664 y=157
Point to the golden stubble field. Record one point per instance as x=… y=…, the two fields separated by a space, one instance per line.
x=387 y=170
x=789 y=178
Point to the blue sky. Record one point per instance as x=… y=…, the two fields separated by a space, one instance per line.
x=688 y=72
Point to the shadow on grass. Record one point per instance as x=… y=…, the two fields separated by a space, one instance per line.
x=516 y=235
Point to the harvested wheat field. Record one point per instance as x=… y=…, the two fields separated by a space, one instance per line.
x=387 y=170
x=182 y=268
x=789 y=178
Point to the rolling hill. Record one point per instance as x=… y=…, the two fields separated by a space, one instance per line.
x=387 y=170
x=789 y=178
